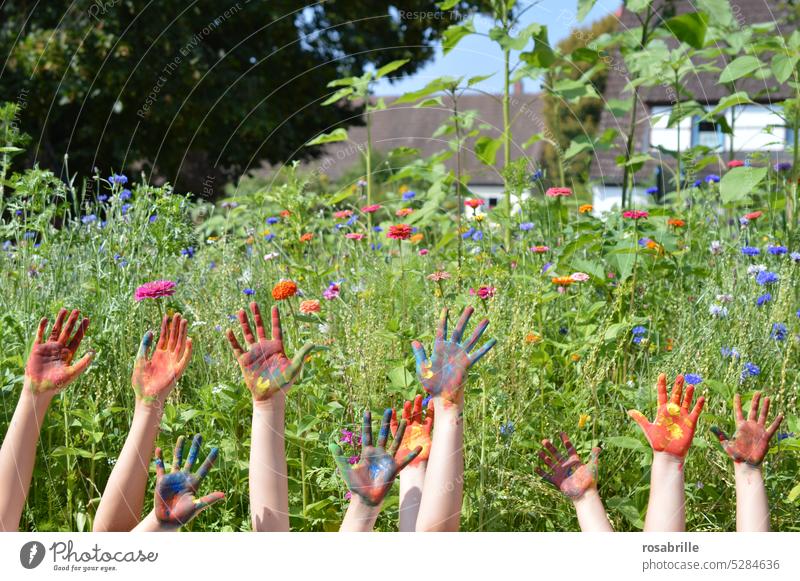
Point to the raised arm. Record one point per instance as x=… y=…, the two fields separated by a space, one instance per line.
x=419 y=424
x=175 y=503
x=670 y=437
x=371 y=478
x=268 y=374
x=49 y=370
x=153 y=378
x=747 y=448
x=444 y=376
x=578 y=482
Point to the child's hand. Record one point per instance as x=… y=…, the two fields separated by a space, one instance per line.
x=265 y=367
x=446 y=374
x=569 y=475
x=673 y=430
x=751 y=440
x=48 y=369
x=373 y=475
x=418 y=430
x=153 y=378
x=175 y=503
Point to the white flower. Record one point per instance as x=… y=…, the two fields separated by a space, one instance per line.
x=725 y=298
x=270 y=256
x=323 y=328
x=718 y=311
x=756 y=268
x=716 y=247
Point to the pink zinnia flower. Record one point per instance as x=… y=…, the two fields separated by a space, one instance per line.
x=354 y=235
x=579 y=277
x=371 y=209
x=754 y=215
x=399 y=232
x=403 y=212
x=423 y=251
x=484 y=292
x=310 y=306
x=635 y=214
x=155 y=290
x=540 y=249
x=557 y=192
x=342 y=214
x=331 y=292
x=439 y=275
x=735 y=163
x=474 y=203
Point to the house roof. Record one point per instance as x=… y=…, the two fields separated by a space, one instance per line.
x=703 y=86
x=406 y=126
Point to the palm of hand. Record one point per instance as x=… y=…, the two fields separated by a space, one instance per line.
x=47 y=367
x=417 y=436
x=673 y=430
x=749 y=444
x=372 y=477
x=157 y=375
x=447 y=372
x=175 y=498
x=264 y=368
x=573 y=477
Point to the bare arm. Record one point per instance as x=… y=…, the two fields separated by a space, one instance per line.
x=360 y=516
x=666 y=508
x=152 y=380
x=592 y=516
x=47 y=372
x=412 y=481
x=752 y=507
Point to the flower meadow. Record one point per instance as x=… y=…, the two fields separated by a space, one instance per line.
x=586 y=309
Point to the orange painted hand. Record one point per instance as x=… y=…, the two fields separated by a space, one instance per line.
x=569 y=475
x=49 y=368
x=418 y=430
x=265 y=367
x=750 y=442
x=155 y=377
x=673 y=429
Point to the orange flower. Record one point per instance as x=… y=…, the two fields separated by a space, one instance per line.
x=399 y=232
x=417 y=238
x=677 y=222
x=575 y=357
x=585 y=208
x=403 y=212
x=669 y=345
x=310 y=306
x=532 y=338
x=306 y=237
x=583 y=420
x=285 y=214
x=474 y=203
x=283 y=290
x=562 y=280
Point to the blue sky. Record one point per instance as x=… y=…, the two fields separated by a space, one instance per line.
x=477 y=55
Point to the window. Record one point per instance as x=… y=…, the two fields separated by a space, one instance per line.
x=757 y=128
x=667 y=137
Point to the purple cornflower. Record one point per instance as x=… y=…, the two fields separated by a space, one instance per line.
x=750 y=251
x=767 y=277
x=763 y=299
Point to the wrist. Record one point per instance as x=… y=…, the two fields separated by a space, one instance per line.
x=275 y=403
x=589 y=496
x=447 y=409
x=667 y=460
x=745 y=470
x=39 y=400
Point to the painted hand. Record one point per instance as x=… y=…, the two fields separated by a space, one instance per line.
x=154 y=378
x=265 y=367
x=444 y=376
x=48 y=369
x=569 y=475
x=175 y=502
x=373 y=475
x=673 y=429
x=750 y=442
x=418 y=430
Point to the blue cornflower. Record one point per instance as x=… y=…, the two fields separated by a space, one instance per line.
x=698 y=183
x=468 y=233
x=18 y=213
x=153 y=218
x=29 y=235
x=750 y=251
x=118 y=179
x=546 y=267
x=102 y=198
x=123 y=263
x=208 y=359
x=731 y=352
x=563 y=330
x=712 y=178
x=507 y=429
x=425 y=401
x=652 y=190
x=125 y=194
x=777 y=250
x=249 y=291
x=377 y=229
x=352 y=220
x=693 y=379
x=763 y=299
x=779 y=332
x=795 y=256
x=785 y=435
x=477 y=236
x=639 y=330
x=767 y=277
x=537 y=175
x=782 y=166
x=269 y=236
x=743 y=221
x=212 y=265
x=637 y=339
x=409 y=195
x=188 y=252
x=750 y=370
x=644 y=241
x=89 y=219
x=273 y=220
x=125 y=208
x=6 y=245
x=525 y=226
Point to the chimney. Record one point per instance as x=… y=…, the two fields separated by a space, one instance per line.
x=519 y=89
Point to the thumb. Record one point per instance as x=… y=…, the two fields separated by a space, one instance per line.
x=721 y=436
x=74 y=371
x=299 y=359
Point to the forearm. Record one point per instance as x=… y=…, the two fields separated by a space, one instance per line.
x=18 y=455
x=667 y=505
x=123 y=498
x=412 y=479
x=269 y=488
x=752 y=507
x=440 y=507
x=591 y=513
x=360 y=516
x=150 y=524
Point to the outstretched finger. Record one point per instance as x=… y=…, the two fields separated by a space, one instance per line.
x=298 y=360
x=542 y=474
x=571 y=451
x=40 y=331
x=75 y=342
x=415 y=413
x=66 y=332
x=640 y=419
x=476 y=335
x=180 y=345
x=159 y=464
x=661 y=389
x=737 y=408
x=687 y=398
x=174 y=332
x=80 y=365
x=408 y=459
x=398 y=438
x=366 y=430
x=594 y=458
x=677 y=390
x=249 y=338
x=553 y=450
x=193 y=452
x=383 y=435
x=698 y=407
x=393 y=425
x=547 y=459
x=429 y=416
x=177 y=454
x=773 y=427
x=754 y=406
x=203 y=503
x=258 y=320
x=234 y=342
x=463 y=321
x=277 y=332
x=475 y=357
x=144 y=346
x=421 y=357
x=56 y=331
x=339 y=458
x=207 y=464
x=162 y=336
x=441 y=329
x=762 y=417
x=187 y=355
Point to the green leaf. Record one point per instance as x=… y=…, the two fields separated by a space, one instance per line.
x=794 y=493
x=737 y=183
x=453 y=34
x=478 y=79
x=486 y=149
x=435 y=86
x=401 y=378
x=689 y=28
x=447 y=4
x=389 y=68
x=637 y=5
x=738 y=68
x=570 y=89
x=576 y=147
x=740 y=98
x=338 y=96
x=584 y=7
x=782 y=66
x=339 y=134
x=542 y=55
x=626 y=442
x=10 y=149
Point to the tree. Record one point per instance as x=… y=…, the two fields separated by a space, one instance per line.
x=194 y=92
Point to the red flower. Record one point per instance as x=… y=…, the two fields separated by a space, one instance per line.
x=285 y=214
x=677 y=222
x=557 y=192
x=403 y=212
x=484 y=292
x=399 y=232
x=155 y=290
x=306 y=237
x=371 y=209
x=735 y=163
x=754 y=215
x=354 y=235
x=635 y=214
x=342 y=214
x=474 y=203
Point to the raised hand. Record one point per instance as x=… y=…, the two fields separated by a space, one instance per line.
x=568 y=474
x=674 y=427
x=175 y=502
x=373 y=475
x=750 y=442
x=153 y=378
x=418 y=430
x=265 y=367
x=446 y=373
x=49 y=368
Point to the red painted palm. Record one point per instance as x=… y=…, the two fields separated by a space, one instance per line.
x=154 y=377
x=568 y=473
x=750 y=442
x=419 y=425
